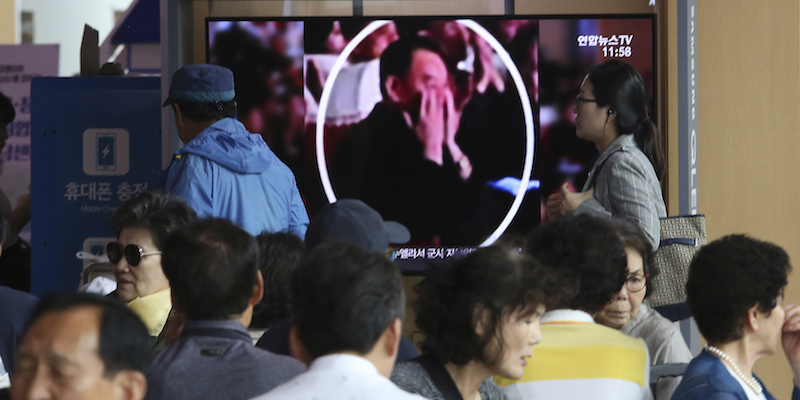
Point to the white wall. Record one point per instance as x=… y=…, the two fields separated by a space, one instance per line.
x=62 y=21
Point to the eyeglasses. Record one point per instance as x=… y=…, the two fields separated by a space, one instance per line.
x=133 y=253
x=580 y=100
x=390 y=253
x=636 y=283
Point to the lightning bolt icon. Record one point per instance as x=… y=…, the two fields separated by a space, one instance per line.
x=106 y=150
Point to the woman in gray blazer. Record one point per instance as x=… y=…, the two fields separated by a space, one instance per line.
x=611 y=112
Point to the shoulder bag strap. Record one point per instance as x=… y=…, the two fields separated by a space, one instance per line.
x=440 y=377
x=593 y=178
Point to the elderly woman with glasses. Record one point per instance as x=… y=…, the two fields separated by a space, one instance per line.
x=627 y=313
x=142 y=225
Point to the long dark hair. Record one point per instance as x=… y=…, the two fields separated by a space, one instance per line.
x=619 y=85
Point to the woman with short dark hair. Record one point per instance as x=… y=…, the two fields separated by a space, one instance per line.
x=480 y=317
x=735 y=290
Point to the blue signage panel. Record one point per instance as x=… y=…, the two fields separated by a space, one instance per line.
x=95 y=144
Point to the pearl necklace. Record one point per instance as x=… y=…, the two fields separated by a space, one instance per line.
x=750 y=381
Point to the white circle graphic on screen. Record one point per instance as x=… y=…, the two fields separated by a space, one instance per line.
x=515 y=76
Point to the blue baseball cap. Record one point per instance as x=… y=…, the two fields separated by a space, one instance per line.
x=353 y=222
x=201 y=83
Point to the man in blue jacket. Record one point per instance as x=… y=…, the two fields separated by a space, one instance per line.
x=223 y=170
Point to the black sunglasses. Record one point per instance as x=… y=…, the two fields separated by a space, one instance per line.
x=133 y=253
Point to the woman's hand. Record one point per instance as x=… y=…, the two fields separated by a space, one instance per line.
x=791 y=339
x=571 y=200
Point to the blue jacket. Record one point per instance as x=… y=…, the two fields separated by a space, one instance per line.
x=707 y=378
x=228 y=172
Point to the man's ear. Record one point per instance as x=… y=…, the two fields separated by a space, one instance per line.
x=393 y=86
x=392 y=335
x=258 y=290
x=132 y=384
x=179 y=118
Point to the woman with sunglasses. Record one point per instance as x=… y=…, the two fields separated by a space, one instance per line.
x=142 y=225
x=627 y=313
x=611 y=112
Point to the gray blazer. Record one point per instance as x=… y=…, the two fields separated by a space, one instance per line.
x=626 y=187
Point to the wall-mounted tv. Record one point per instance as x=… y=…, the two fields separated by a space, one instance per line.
x=460 y=135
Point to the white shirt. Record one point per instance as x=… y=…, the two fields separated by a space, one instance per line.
x=339 y=376
x=5 y=380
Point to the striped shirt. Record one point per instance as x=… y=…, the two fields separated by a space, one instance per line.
x=579 y=359
x=626 y=187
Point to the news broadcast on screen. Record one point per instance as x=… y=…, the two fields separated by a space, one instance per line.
x=458 y=128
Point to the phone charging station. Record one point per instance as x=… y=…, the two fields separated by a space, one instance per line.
x=96 y=142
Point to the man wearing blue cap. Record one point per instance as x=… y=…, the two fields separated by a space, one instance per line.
x=223 y=170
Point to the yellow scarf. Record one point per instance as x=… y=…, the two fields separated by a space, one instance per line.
x=153 y=309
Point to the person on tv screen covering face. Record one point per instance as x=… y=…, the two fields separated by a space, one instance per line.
x=611 y=112
x=403 y=159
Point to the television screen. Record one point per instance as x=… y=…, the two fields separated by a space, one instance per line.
x=459 y=128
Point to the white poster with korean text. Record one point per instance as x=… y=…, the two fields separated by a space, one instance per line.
x=18 y=65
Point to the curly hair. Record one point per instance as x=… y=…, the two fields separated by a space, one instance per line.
x=157 y=212
x=728 y=277
x=587 y=256
x=491 y=279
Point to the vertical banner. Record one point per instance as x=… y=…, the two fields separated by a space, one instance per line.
x=687 y=106
x=18 y=65
x=687 y=131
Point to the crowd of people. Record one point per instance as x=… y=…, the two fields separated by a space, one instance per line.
x=559 y=314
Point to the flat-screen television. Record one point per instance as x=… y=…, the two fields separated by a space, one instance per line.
x=459 y=128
